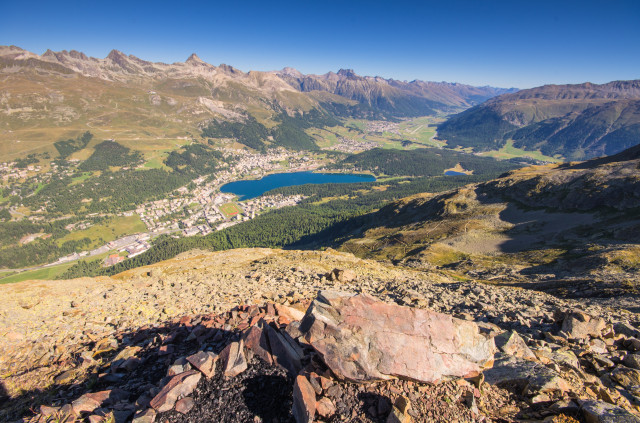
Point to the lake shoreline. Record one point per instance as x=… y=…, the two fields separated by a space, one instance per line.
x=252 y=188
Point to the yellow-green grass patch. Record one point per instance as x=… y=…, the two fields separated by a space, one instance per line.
x=107 y=231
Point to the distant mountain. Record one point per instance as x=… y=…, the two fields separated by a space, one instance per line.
x=377 y=96
x=572 y=121
x=62 y=94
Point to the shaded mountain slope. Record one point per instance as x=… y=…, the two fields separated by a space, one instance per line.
x=572 y=121
x=378 y=96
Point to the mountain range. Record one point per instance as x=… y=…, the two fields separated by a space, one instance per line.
x=69 y=91
x=572 y=121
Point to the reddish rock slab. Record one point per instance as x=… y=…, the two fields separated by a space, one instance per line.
x=256 y=340
x=304 y=400
x=233 y=360
x=205 y=362
x=179 y=386
x=184 y=405
x=362 y=339
x=292 y=314
x=325 y=407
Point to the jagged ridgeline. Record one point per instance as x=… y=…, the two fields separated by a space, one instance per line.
x=576 y=122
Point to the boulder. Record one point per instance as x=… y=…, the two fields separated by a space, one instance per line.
x=362 y=339
x=91 y=401
x=146 y=416
x=627 y=330
x=529 y=376
x=285 y=352
x=602 y=412
x=626 y=377
x=400 y=411
x=290 y=313
x=179 y=386
x=580 y=325
x=184 y=405
x=325 y=407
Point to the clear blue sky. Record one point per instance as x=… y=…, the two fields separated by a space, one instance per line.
x=480 y=42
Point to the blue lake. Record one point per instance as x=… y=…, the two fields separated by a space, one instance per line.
x=246 y=190
x=454 y=173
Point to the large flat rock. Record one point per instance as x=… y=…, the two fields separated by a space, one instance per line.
x=362 y=339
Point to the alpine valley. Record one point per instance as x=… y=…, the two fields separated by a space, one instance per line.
x=486 y=269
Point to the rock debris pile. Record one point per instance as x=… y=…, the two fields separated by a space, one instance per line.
x=374 y=345
x=352 y=358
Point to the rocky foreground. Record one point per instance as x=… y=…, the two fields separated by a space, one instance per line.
x=263 y=335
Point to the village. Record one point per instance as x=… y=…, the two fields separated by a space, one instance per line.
x=352 y=146
x=198 y=208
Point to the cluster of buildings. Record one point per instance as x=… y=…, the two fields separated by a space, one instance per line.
x=347 y=145
x=381 y=126
x=256 y=205
x=9 y=171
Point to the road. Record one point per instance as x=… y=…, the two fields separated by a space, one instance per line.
x=118 y=244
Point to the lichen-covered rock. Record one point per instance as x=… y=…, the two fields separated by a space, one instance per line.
x=363 y=339
x=632 y=360
x=626 y=377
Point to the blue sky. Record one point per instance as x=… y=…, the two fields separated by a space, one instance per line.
x=500 y=43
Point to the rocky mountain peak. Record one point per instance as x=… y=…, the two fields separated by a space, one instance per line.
x=78 y=55
x=348 y=73
x=288 y=71
x=195 y=60
x=230 y=69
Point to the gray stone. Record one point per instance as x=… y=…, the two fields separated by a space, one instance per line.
x=512 y=344
x=602 y=412
x=529 y=376
x=632 y=360
x=580 y=325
